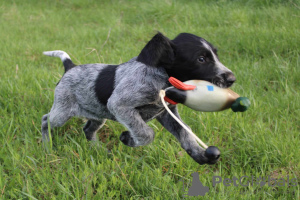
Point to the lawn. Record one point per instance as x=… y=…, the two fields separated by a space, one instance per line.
x=258 y=40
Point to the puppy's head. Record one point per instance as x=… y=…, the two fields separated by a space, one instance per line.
x=187 y=57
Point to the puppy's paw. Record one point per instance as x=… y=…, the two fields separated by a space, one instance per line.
x=127 y=139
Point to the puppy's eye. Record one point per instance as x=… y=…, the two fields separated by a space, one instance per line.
x=201 y=59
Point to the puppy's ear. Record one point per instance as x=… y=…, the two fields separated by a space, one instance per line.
x=159 y=52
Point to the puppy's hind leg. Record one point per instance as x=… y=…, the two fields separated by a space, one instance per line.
x=45 y=133
x=54 y=121
x=91 y=127
x=60 y=113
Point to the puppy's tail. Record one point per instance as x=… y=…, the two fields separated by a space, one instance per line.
x=65 y=58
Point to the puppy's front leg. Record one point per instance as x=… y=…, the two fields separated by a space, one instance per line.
x=139 y=133
x=188 y=143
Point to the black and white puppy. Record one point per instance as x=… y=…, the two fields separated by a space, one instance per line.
x=129 y=92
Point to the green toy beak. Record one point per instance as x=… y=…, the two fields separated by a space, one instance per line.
x=241 y=104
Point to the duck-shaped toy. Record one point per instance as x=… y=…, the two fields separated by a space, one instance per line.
x=204 y=96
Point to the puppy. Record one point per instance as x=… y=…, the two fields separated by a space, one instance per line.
x=129 y=92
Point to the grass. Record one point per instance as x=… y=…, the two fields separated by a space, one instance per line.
x=258 y=40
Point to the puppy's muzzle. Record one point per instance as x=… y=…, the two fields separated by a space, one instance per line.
x=224 y=80
x=229 y=78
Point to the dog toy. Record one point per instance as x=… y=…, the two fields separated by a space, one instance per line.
x=202 y=96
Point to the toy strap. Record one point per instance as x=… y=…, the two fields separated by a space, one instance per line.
x=162 y=95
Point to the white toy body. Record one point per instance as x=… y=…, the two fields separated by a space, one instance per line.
x=208 y=97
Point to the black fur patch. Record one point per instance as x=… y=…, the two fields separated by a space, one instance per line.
x=158 y=52
x=105 y=83
x=68 y=64
x=87 y=125
x=188 y=49
x=176 y=95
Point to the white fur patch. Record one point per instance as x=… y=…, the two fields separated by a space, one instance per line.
x=58 y=53
x=221 y=68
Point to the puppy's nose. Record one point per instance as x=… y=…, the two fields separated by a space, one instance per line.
x=229 y=78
